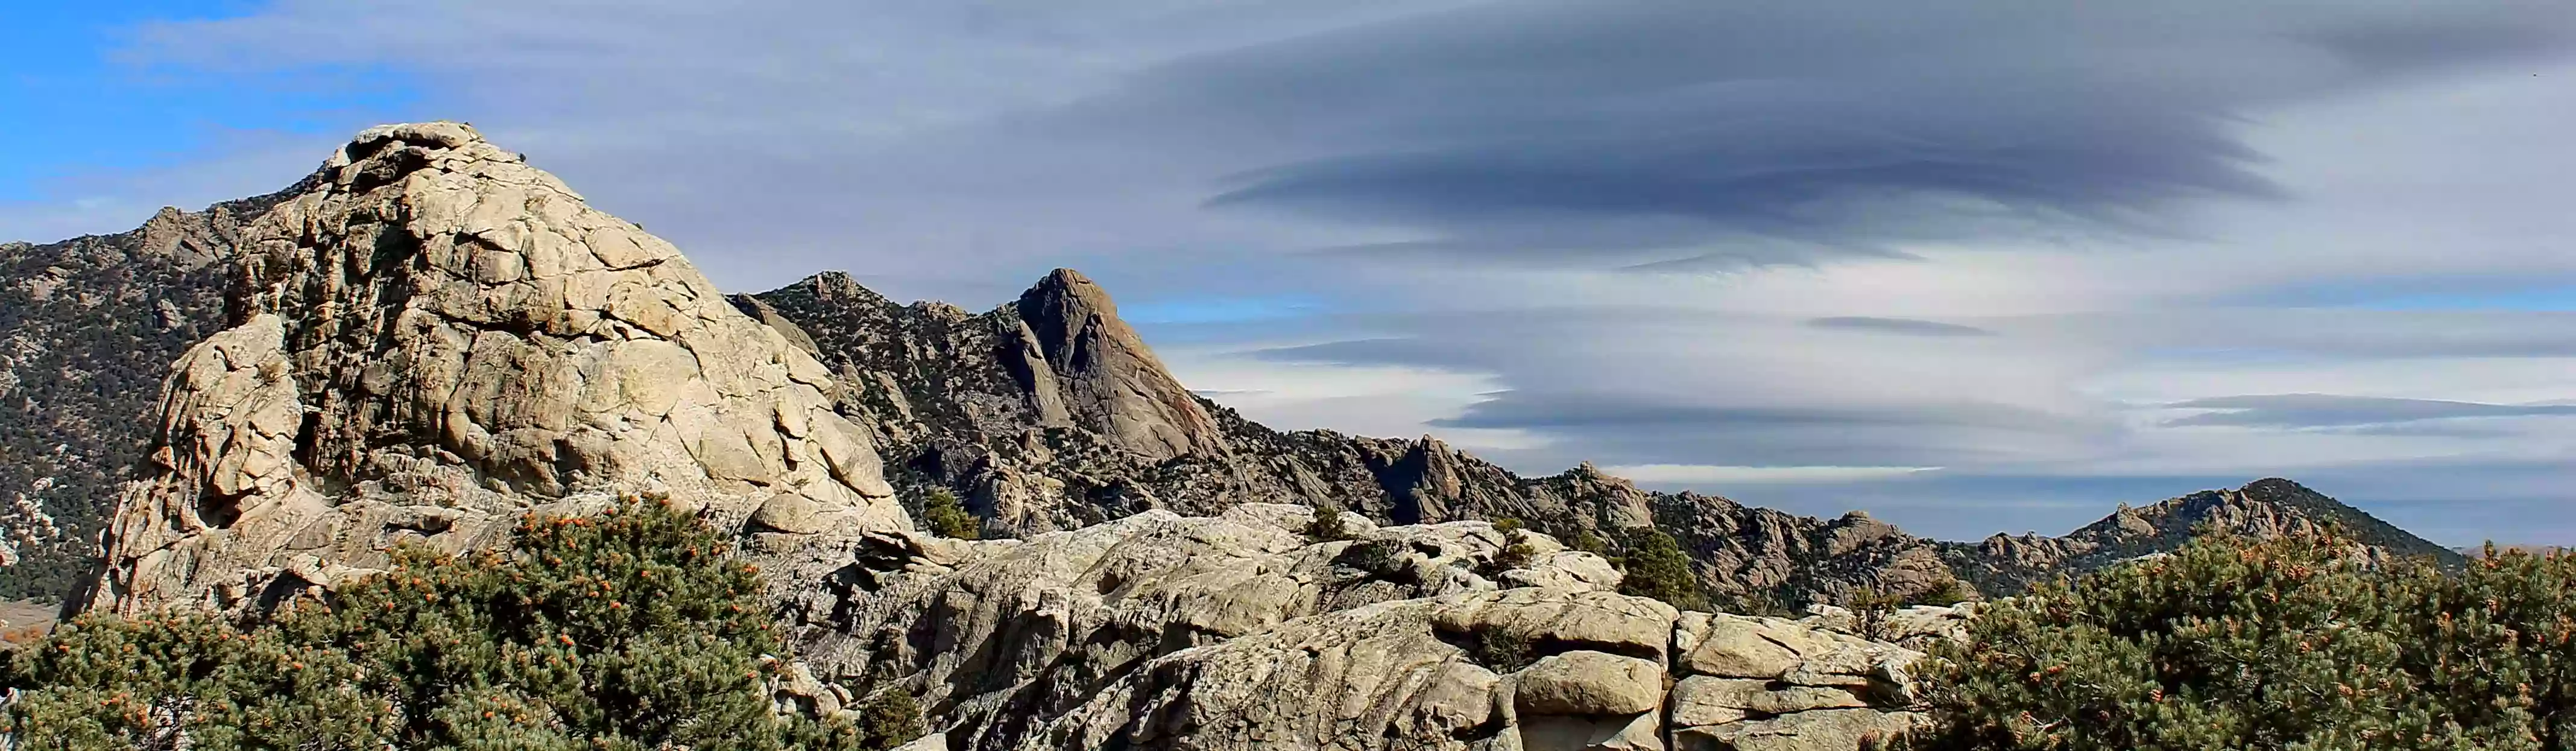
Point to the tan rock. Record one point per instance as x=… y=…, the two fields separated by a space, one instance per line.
x=1820 y=730
x=536 y=354
x=1702 y=700
x=1588 y=683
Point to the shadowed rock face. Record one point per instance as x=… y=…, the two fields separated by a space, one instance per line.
x=433 y=337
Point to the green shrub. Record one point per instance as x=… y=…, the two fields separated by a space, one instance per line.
x=1500 y=651
x=1516 y=551
x=1870 y=608
x=628 y=630
x=2290 y=643
x=890 y=719
x=1378 y=557
x=1948 y=592
x=1327 y=525
x=1584 y=540
x=948 y=518
x=1656 y=567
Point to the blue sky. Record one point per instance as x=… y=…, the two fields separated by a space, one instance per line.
x=1971 y=268
x=78 y=100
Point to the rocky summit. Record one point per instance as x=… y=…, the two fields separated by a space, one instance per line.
x=432 y=337
x=427 y=339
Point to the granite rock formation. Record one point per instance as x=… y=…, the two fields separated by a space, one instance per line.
x=431 y=337
x=1234 y=631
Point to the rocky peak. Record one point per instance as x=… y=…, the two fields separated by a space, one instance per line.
x=1081 y=365
x=838 y=286
x=433 y=338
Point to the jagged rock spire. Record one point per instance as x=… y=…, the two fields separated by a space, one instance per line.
x=1082 y=365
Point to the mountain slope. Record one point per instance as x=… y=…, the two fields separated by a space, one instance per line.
x=91 y=325
x=431 y=339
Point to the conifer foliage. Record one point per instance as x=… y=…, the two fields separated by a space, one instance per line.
x=2292 y=643
x=1656 y=567
x=628 y=630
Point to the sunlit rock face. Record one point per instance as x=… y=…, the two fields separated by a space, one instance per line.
x=432 y=338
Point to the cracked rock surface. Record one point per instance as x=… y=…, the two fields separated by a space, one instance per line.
x=432 y=337
x=1158 y=631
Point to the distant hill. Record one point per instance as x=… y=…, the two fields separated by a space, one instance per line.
x=2263 y=508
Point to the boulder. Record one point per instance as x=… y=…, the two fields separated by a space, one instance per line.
x=1584 y=682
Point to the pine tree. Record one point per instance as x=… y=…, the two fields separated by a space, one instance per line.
x=1657 y=568
x=948 y=518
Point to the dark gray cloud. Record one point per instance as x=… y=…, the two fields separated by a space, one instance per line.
x=1680 y=132
x=1907 y=326
x=2331 y=410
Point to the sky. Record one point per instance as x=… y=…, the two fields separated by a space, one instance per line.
x=1973 y=267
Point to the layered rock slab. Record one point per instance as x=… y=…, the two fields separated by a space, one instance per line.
x=433 y=337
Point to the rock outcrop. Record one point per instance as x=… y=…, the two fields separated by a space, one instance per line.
x=1234 y=631
x=1083 y=366
x=432 y=336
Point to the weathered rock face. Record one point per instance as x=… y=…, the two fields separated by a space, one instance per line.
x=1162 y=631
x=433 y=337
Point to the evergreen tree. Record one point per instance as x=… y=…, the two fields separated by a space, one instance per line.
x=948 y=518
x=1517 y=551
x=1327 y=526
x=628 y=630
x=1656 y=567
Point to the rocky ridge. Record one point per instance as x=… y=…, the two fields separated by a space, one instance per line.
x=2263 y=508
x=974 y=403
